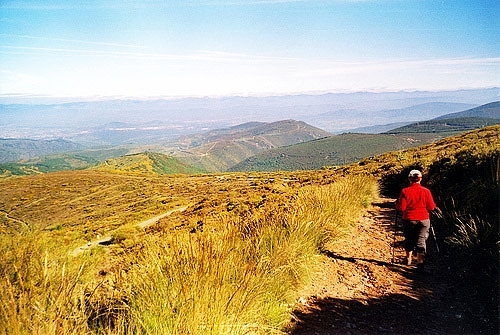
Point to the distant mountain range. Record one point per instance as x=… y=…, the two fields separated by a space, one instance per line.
x=245 y=146
x=351 y=147
x=91 y=122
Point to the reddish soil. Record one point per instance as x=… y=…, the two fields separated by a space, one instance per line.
x=364 y=288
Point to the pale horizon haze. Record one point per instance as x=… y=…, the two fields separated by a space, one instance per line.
x=151 y=48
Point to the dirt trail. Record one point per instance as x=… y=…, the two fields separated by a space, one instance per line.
x=106 y=240
x=361 y=291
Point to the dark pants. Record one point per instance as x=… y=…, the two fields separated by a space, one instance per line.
x=416 y=234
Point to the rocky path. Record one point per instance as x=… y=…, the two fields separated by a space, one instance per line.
x=360 y=290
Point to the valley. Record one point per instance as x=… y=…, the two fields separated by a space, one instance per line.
x=249 y=252
x=237 y=226
x=253 y=146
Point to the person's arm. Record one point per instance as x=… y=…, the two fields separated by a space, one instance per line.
x=431 y=205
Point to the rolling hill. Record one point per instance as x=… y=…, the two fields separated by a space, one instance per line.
x=331 y=151
x=77 y=160
x=218 y=150
x=212 y=151
x=450 y=126
x=146 y=163
x=482 y=116
x=17 y=149
x=351 y=147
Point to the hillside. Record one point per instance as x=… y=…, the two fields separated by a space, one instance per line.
x=77 y=196
x=79 y=160
x=219 y=149
x=479 y=142
x=482 y=116
x=249 y=254
x=445 y=126
x=487 y=111
x=331 y=151
x=17 y=149
x=146 y=163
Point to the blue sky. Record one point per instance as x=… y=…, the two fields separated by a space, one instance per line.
x=215 y=47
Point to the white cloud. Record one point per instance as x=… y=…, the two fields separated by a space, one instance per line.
x=122 y=70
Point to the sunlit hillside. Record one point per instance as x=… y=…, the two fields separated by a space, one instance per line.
x=479 y=142
x=147 y=162
x=248 y=238
x=224 y=253
x=65 y=161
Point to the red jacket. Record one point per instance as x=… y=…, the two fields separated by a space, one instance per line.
x=415 y=202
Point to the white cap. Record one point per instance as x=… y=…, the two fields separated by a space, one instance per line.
x=415 y=174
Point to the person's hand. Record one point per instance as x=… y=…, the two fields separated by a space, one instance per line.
x=437 y=211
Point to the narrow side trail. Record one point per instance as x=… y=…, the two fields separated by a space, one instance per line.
x=106 y=240
x=361 y=291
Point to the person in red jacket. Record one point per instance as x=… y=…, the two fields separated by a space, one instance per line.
x=415 y=201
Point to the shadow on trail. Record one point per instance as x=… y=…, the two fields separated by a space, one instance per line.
x=435 y=303
x=423 y=312
x=392 y=314
x=333 y=255
x=394 y=267
x=418 y=311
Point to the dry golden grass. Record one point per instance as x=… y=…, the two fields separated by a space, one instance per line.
x=477 y=142
x=232 y=263
x=74 y=207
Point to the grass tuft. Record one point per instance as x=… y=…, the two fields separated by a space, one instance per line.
x=236 y=271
